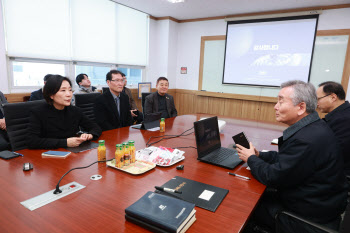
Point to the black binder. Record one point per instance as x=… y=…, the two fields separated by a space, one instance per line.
x=192 y=190
x=160 y=213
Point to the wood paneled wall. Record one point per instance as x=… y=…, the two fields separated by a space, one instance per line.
x=190 y=101
x=231 y=105
x=254 y=108
x=16 y=97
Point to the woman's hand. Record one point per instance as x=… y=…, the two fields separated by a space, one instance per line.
x=74 y=141
x=86 y=136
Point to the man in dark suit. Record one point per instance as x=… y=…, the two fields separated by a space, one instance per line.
x=112 y=108
x=161 y=101
x=38 y=94
x=4 y=140
x=331 y=100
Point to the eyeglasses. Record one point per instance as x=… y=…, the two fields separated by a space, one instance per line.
x=118 y=80
x=322 y=97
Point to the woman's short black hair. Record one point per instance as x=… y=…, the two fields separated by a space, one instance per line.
x=52 y=86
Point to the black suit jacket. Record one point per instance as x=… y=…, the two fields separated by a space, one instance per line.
x=106 y=112
x=49 y=128
x=151 y=104
x=339 y=121
x=36 y=95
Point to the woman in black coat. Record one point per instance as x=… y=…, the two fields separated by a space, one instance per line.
x=57 y=123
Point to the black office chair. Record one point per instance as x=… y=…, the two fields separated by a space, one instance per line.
x=17 y=120
x=104 y=89
x=344 y=225
x=86 y=103
x=144 y=95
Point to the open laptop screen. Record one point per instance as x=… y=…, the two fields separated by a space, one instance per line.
x=207 y=135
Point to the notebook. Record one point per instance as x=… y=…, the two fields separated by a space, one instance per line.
x=203 y=195
x=53 y=153
x=209 y=148
x=162 y=212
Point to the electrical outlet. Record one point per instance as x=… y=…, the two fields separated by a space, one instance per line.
x=48 y=197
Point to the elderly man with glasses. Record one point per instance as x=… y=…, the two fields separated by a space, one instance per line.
x=331 y=100
x=306 y=171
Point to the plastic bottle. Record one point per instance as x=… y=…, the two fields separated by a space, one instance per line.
x=101 y=151
x=132 y=151
x=162 y=125
x=126 y=154
x=119 y=156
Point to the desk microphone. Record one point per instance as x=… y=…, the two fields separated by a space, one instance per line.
x=58 y=190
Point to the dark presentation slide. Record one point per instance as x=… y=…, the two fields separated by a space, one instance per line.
x=268 y=52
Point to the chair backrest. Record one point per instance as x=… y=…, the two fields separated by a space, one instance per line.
x=104 y=89
x=17 y=120
x=345 y=224
x=144 y=95
x=86 y=103
x=343 y=228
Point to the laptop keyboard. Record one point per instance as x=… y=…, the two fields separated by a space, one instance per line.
x=221 y=155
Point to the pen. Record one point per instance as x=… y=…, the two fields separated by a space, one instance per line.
x=167 y=189
x=244 y=177
x=18 y=154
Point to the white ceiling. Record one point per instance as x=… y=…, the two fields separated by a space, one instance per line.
x=193 y=9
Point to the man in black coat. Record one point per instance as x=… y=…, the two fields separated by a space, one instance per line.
x=307 y=171
x=38 y=94
x=112 y=108
x=331 y=100
x=161 y=101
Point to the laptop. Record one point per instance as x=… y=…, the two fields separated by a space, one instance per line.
x=149 y=121
x=209 y=145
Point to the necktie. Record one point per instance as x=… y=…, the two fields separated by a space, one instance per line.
x=117 y=101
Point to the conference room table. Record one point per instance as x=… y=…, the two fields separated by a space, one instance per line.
x=100 y=206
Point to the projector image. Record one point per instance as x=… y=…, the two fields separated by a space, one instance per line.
x=220 y=123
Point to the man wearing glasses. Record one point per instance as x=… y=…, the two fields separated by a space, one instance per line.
x=331 y=100
x=112 y=108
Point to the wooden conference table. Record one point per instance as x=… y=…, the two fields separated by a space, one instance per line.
x=99 y=207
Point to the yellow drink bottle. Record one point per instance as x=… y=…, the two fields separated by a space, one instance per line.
x=132 y=151
x=119 y=156
x=101 y=151
x=126 y=154
x=162 y=125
